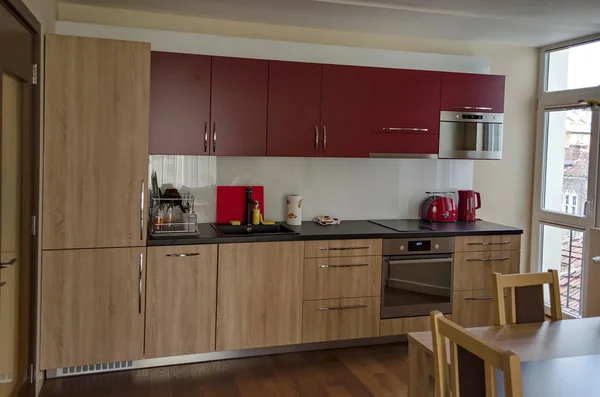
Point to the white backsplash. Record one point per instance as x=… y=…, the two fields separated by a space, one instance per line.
x=345 y=188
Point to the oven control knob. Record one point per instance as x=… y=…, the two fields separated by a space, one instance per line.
x=401 y=248
x=437 y=247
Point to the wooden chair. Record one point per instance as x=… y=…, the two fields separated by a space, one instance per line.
x=473 y=363
x=526 y=297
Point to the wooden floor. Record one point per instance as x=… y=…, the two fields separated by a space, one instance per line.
x=374 y=371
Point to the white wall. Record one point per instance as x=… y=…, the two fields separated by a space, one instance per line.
x=506 y=185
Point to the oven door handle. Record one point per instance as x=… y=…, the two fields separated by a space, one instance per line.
x=411 y=261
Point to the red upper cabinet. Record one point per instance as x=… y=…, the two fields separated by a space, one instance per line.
x=294 y=115
x=472 y=92
x=406 y=111
x=179 y=104
x=347 y=98
x=239 y=107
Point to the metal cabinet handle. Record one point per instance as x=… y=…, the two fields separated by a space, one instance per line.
x=324 y=138
x=141 y=281
x=343 y=249
x=4 y=265
x=471 y=107
x=205 y=137
x=490 y=243
x=214 y=137
x=596 y=259
x=504 y=258
x=480 y=298
x=3 y=284
x=142 y=212
x=343 y=307
x=334 y=266
x=183 y=255
x=405 y=129
x=316 y=138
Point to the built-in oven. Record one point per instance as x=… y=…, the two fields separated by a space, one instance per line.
x=417 y=276
x=470 y=135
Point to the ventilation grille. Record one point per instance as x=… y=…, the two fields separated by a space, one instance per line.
x=5 y=377
x=94 y=369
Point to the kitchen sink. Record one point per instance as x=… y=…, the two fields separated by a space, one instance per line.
x=246 y=230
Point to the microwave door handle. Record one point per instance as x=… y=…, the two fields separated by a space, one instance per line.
x=413 y=261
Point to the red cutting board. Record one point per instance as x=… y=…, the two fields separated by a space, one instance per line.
x=231 y=202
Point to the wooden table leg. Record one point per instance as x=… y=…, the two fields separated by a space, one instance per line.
x=421 y=382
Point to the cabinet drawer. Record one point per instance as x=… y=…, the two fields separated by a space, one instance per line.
x=334 y=248
x=487 y=243
x=473 y=270
x=402 y=326
x=336 y=319
x=328 y=278
x=473 y=308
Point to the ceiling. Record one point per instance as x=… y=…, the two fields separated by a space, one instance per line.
x=521 y=22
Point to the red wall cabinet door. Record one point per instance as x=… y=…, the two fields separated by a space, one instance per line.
x=179 y=103
x=472 y=92
x=347 y=96
x=294 y=109
x=406 y=111
x=239 y=107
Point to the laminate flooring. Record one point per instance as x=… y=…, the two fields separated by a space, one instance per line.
x=371 y=371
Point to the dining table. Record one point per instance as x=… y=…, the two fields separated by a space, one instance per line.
x=558 y=349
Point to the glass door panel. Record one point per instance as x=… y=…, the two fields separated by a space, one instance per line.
x=10 y=231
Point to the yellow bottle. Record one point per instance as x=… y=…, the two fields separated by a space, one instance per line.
x=255 y=214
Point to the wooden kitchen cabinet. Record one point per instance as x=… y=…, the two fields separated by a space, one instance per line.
x=347 y=100
x=473 y=270
x=403 y=326
x=358 y=276
x=336 y=248
x=180 y=104
x=239 y=107
x=406 y=111
x=474 y=308
x=337 y=319
x=181 y=300
x=469 y=92
x=97 y=99
x=93 y=305
x=498 y=242
x=259 y=295
x=294 y=115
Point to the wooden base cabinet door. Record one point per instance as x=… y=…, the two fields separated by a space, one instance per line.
x=473 y=308
x=182 y=300
x=337 y=319
x=259 y=299
x=93 y=305
x=95 y=143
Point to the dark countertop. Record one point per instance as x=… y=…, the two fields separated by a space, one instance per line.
x=346 y=230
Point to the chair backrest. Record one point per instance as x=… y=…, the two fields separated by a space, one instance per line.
x=526 y=297
x=473 y=363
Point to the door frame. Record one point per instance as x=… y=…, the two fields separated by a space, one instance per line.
x=31 y=201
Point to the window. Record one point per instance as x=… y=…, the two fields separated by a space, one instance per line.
x=570 y=203
x=573 y=67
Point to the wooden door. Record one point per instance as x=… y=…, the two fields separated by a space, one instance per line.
x=346 y=108
x=180 y=104
x=294 y=116
x=239 y=106
x=93 y=305
x=182 y=300
x=591 y=296
x=95 y=143
x=259 y=298
x=11 y=134
x=406 y=111
x=469 y=92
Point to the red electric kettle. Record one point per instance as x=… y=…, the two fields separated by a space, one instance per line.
x=468 y=202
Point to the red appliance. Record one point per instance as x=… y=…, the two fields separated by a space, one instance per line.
x=468 y=202
x=439 y=207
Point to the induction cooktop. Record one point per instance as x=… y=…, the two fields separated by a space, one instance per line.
x=402 y=225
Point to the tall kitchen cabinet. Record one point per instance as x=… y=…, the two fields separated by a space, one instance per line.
x=94 y=207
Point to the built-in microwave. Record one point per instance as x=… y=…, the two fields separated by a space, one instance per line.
x=467 y=135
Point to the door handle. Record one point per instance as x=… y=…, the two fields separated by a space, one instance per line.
x=3 y=284
x=342 y=307
x=4 y=265
x=182 y=255
x=142 y=212
x=596 y=259
x=324 y=137
x=214 y=137
x=316 y=138
x=141 y=282
x=504 y=258
x=205 y=137
x=338 y=266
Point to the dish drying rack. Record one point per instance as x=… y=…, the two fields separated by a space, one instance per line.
x=179 y=224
